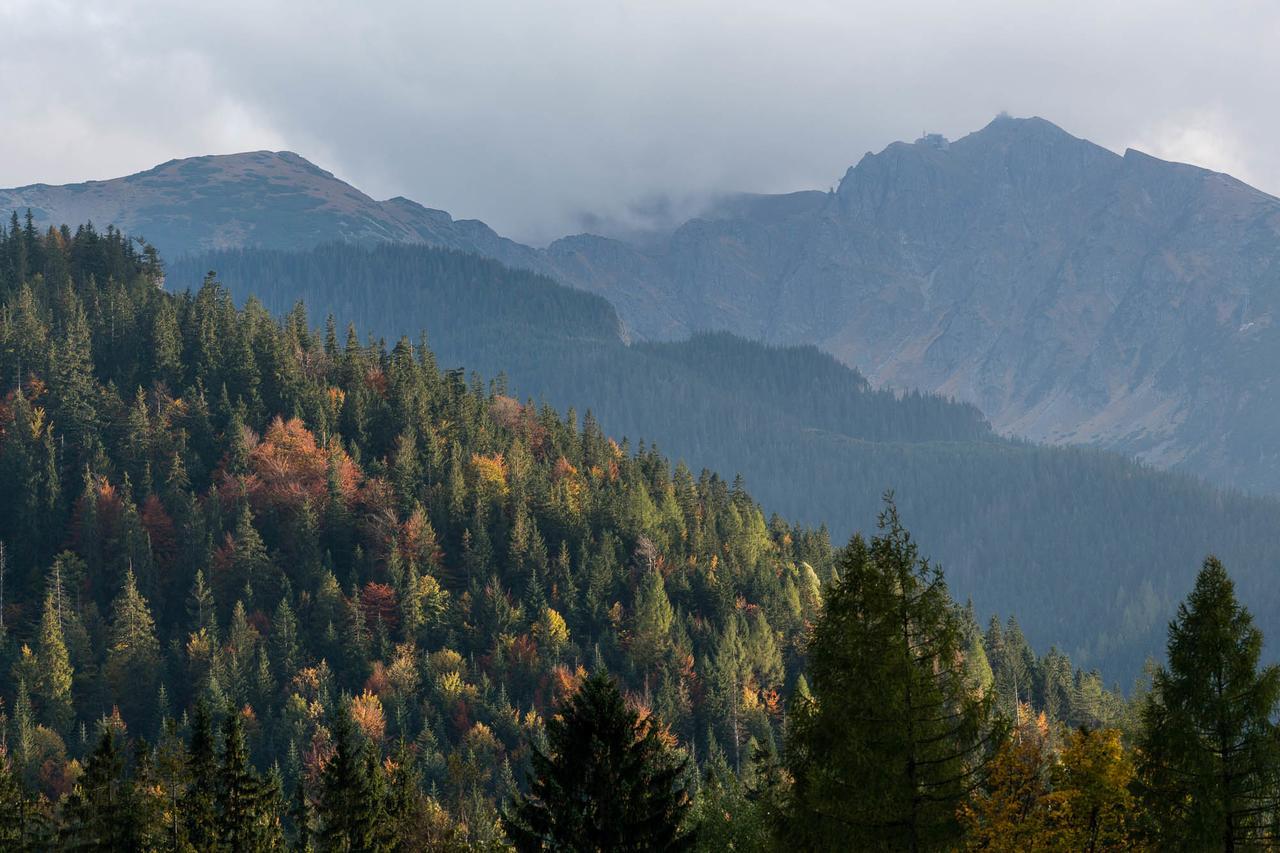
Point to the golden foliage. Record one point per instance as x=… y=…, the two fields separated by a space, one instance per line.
x=1011 y=814
x=551 y=631
x=367 y=714
x=490 y=474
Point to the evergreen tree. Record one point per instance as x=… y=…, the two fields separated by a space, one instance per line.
x=101 y=811
x=607 y=782
x=200 y=802
x=13 y=807
x=1209 y=753
x=885 y=767
x=133 y=653
x=53 y=685
x=348 y=810
x=238 y=789
x=653 y=618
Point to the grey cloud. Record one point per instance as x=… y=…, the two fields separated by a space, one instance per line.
x=543 y=117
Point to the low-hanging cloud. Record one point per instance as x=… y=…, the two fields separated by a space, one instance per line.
x=540 y=117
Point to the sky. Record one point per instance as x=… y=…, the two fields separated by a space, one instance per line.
x=545 y=117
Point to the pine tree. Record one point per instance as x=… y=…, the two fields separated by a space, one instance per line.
x=607 y=782
x=1210 y=746
x=890 y=742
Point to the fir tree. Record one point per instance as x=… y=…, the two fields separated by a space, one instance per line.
x=885 y=768
x=238 y=788
x=1210 y=743
x=54 y=683
x=607 y=782
x=133 y=652
x=200 y=802
x=348 y=810
x=101 y=812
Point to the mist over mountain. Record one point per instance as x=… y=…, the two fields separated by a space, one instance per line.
x=1074 y=295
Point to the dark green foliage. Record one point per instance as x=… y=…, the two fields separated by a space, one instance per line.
x=606 y=781
x=885 y=767
x=350 y=811
x=102 y=810
x=200 y=803
x=816 y=442
x=1211 y=747
x=240 y=792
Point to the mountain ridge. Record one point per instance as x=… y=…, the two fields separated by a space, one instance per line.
x=1075 y=294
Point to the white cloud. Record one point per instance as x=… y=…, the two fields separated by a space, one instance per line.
x=529 y=114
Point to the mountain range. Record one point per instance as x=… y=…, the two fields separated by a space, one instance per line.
x=1053 y=288
x=1073 y=294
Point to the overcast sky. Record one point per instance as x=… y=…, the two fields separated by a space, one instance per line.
x=530 y=114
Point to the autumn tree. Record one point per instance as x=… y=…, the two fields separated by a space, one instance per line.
x=1012 y=811
x=1092 y=805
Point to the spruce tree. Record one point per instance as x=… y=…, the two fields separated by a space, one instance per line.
x=607 y=782
x=200 y=802
x=348 y=810
x=1209 y=756
x=101 y=813
x=238 y=788
x=890 y=742
x=133 y=654
x=54 y=683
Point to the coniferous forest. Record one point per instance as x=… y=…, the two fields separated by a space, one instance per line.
x=267 y=585
x=1022 y=527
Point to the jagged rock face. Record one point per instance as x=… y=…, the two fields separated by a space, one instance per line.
x=263 y=198
x=1073 y=294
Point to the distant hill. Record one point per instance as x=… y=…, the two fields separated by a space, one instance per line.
x=259 y=198
x=1021 y=528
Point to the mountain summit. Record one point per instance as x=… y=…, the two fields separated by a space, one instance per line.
x=270 y=199
x=1071 y=293
x=1075 y=295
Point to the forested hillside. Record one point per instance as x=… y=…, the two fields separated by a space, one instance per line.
x=1023 y=527
x=268 y=587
